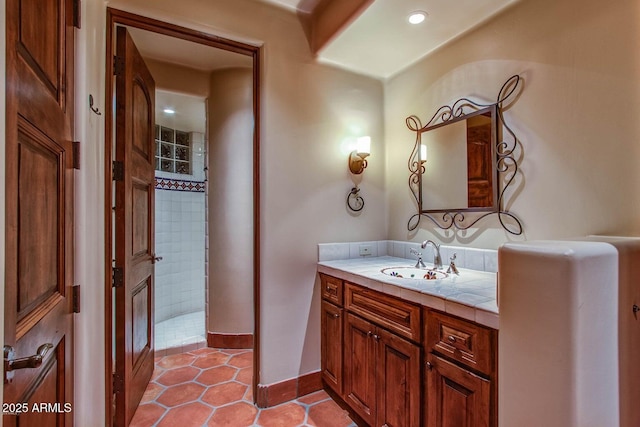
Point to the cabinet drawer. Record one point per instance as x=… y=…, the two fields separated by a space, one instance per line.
x=466 y=342
x=394 y=314
x=332 y=289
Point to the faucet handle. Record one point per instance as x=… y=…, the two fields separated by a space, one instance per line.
x=415 y=252
x=452 y=265
x=453 y=258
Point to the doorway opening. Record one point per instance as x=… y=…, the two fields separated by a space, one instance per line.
x=195 y=191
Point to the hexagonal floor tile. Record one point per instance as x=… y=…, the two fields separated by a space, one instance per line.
x=147 y=415
x=176 y=360
x=285 y=415
x=190 y=415
x=328 y=414
x=222 y=394
x=179 y=394
x=178 y=375
x=245 y=375
x=241 y=360
x=211 y=359
x=217 y=375
x=239 y=414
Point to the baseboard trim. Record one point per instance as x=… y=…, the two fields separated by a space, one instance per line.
x=275 y=394
x=238 y=341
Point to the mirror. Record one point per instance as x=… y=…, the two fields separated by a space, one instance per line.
x=460 y=163
x=460 y=167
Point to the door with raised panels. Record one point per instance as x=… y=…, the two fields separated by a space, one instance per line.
x=134 y=227
x=38 y=379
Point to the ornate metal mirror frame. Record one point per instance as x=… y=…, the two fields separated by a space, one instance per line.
x=506 y=166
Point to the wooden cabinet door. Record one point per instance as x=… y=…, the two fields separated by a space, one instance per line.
x=360 y=367
x=455 y=397
x=331 y=346
x=398 y=381
x=39 y=205
x=134 y=228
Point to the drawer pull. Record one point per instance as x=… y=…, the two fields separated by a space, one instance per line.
x=336 y=315
x=452 y=339
x=328 y=288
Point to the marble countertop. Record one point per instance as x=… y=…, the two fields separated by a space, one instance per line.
x=470 y=295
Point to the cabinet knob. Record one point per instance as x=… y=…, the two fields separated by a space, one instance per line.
x=635 y=308
x=429 y=365
x=376 y=337
x=336 y=315
x=369 y=333
x=451 y=339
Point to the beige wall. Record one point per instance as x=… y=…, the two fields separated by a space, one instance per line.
x=307 y=111
x=576 y=118
x=179 y=79
x=230 y=202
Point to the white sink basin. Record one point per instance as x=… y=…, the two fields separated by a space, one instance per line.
x=414 y=273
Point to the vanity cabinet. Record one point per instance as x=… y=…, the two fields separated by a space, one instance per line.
x=460 y=372
x=398 y=364
x=381 y=366
x=332 y=322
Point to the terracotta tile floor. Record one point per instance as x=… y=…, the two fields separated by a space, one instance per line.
x=211 y=387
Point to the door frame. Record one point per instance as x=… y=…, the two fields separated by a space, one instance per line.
x=114 y=17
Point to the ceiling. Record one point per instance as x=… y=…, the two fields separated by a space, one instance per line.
x=380 y=42
x=185 y=53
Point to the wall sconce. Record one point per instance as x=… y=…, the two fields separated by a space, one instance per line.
x=357 y=165
x=358 y=157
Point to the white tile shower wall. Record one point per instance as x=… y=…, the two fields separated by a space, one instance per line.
x=471 y=258
x=180 y=241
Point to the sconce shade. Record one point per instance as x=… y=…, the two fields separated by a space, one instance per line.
x=363 y=146
x=357 y=158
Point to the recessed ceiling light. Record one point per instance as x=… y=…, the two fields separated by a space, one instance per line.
x=169 y=111
x=417 y=17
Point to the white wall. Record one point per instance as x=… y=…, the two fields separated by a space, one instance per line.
x=230 y=209
x=576 y=117
x=89 y=388
x=307 y=111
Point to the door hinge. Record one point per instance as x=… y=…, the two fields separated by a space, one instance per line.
x=75 y=290
x=76 y=154
x=118 y=383
x=77 y=7
x=118 y=65
x=118 y=171
x=118 y=277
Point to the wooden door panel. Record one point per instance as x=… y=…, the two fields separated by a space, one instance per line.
x=40 y=219
x=141 y=195
x=39 y=209
x=398 y=370
x=359 y=367
x=456 y=397
x=41 y=41
x=134 y=227
x=331 y=357
x=141 y=318
x=142 y=120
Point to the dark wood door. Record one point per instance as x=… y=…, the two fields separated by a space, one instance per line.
x=398 y=381
x=331 y=346
x=134 y=228
x=455 y=397
x=480 y=168
x=39 y=213
x=360 y=367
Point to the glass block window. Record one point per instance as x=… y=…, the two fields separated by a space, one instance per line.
x=173 y=150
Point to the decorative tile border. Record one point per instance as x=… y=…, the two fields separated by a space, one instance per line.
x=179 y=185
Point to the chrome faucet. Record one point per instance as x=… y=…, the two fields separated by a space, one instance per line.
x=437 y=260
x=419 y=255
